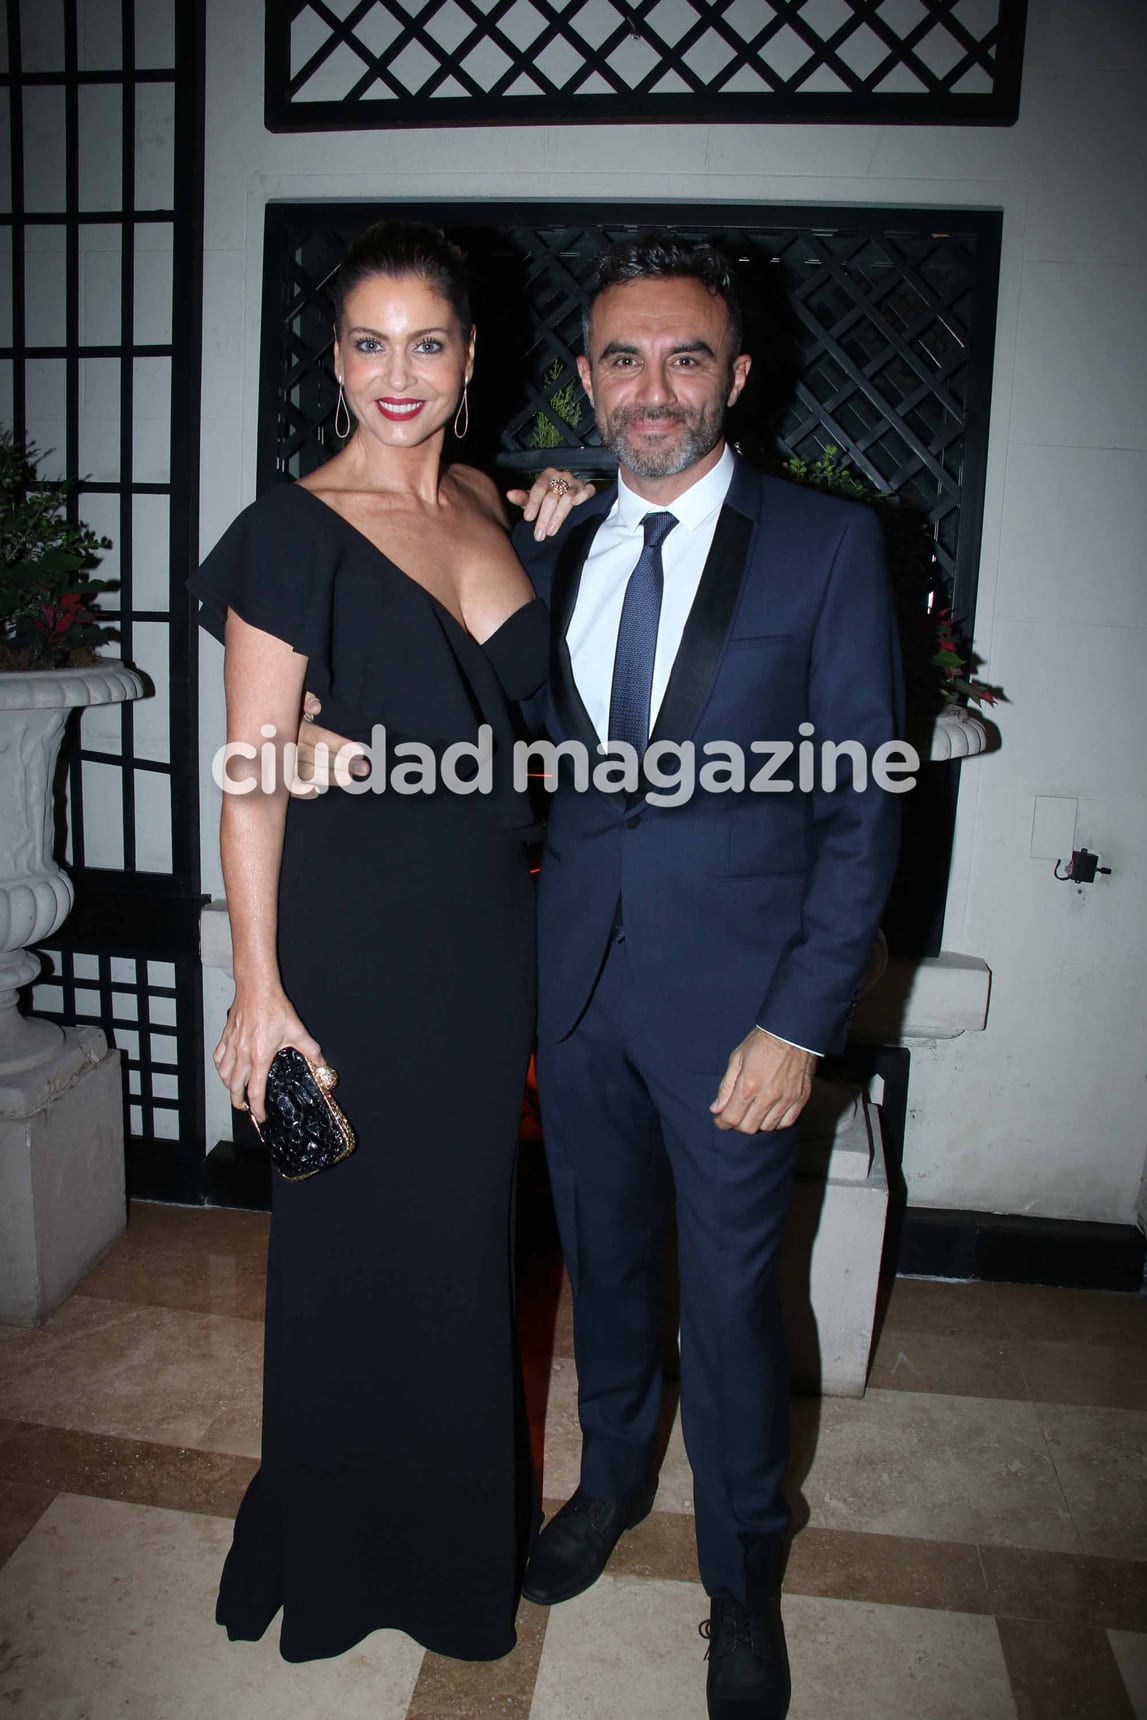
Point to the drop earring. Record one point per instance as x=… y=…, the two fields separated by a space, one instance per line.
x=463 y=412
x=345 y=410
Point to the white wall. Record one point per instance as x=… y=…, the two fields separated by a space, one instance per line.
x=1044 y=1111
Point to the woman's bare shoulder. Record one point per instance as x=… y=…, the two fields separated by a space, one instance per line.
x=480 y=490
x=327 y=481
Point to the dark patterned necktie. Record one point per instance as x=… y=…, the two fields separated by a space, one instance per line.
x=637 y=638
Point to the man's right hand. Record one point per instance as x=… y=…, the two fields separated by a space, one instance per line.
x=315 y=766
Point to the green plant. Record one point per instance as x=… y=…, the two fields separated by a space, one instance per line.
x=827 y=474
x=933 y=639
x=46 y=585
x=566 y=404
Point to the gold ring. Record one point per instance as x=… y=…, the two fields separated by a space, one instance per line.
x=560 y=486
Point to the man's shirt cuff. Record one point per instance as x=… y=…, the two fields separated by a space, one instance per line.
x=791 y=1042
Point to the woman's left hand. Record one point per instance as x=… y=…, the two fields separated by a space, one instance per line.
x=553 y=496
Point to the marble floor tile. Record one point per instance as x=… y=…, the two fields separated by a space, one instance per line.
x=1063 y=1671
x=141 y=1372
x=956 y=1363
x=78 y=1318
x=489 y=1690
x=562 y=1464
x=1100 y=1456
x=629 y=1648
x=201 y=1260
x=1078 y=1587
x=893 y=1570
x=238 y=1432
x=143 y=1472
x=21 y=1507
x=931 y=1466
x=1100 y=1316
x=665 y=1545
x=108 y=1611
x=1108 y=1376
x=941 y=1308
x=854 y=1661
x=1130 y=1651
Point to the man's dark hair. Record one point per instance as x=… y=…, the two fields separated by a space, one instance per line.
x=654 y=257
x=398 y=248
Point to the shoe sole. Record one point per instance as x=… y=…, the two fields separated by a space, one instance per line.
x=572 y=1594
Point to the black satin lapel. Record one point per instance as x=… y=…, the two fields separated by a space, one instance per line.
x=573 y=718
x=706 y=629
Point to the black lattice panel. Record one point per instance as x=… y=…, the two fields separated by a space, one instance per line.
x=150 y=1010
x=88 y=367
x=886 y=326
x=335 y=64
x=893 y=318
x=99 y=343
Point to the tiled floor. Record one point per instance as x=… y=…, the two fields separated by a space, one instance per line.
x=975 y=1545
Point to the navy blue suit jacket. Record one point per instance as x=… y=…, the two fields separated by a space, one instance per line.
x=739 y=907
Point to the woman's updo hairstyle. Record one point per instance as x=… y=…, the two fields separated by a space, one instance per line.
x=397 y=248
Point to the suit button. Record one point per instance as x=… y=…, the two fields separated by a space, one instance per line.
x=632 y=823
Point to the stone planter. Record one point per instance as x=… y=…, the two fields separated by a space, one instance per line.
x=35 y=895
x=957 y=733
x=61 y=1101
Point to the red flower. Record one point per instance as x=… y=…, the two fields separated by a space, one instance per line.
x=55 y=620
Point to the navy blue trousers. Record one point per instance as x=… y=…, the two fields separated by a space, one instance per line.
x=615 y=1110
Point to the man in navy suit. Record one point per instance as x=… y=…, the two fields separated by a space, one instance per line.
x=696 y=958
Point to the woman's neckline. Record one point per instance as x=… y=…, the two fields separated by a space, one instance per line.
x=459 y=623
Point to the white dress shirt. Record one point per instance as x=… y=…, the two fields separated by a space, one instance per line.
x=618 y=542
x=593 y=627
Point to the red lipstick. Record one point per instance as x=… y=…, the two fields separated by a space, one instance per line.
x=398 y=411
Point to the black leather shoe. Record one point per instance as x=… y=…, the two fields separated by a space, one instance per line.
x=748 y=1663
x=574 y=1547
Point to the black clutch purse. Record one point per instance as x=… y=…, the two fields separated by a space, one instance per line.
x=305 y=1131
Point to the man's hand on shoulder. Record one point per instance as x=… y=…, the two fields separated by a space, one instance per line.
x=765 y=1085
x=553 y=496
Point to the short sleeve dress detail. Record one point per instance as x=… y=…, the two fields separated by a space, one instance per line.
x=394 y=1489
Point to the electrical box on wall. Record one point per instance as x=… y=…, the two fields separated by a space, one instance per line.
x=1053 y=827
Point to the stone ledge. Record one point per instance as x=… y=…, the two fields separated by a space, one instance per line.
x=836 y=1140
x=937 y=997
x=27 y=1091
x=62 y=1199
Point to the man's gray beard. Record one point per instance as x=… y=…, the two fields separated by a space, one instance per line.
x=658 y=461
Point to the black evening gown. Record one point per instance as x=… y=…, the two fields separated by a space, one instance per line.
x=394 y=1488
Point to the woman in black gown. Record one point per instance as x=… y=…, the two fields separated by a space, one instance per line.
x=395 y=931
